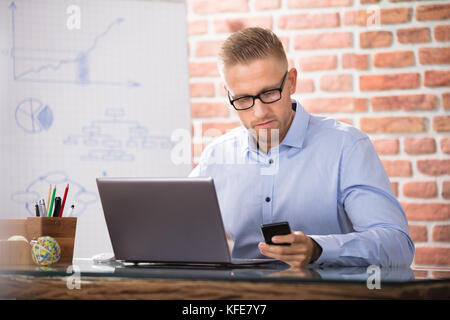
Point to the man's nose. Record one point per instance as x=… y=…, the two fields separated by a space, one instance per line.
x=260 y=109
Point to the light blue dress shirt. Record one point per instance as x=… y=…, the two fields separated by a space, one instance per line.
x=324 y=178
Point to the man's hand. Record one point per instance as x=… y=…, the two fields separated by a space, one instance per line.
x=302 y=251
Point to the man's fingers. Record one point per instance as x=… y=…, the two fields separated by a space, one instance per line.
x=288 y=238
x=291 y=258
x=294 y=237
x=281 y=250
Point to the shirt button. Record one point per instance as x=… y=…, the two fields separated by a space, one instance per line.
x=267 y=199
x=270 y=161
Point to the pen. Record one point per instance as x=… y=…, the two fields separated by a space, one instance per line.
x=36 y=206
x=42 y=209
x=50 y=207
x=57 y=207
x=48 y=198
x=63 y=201
x=70 y=211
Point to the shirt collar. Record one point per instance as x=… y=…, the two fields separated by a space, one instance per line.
x=296 y=133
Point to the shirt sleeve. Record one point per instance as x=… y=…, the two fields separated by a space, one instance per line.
x=381 y=236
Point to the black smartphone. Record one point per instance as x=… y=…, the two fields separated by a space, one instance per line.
x=275 y=229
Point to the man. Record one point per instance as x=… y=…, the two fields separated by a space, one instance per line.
x=322 y=176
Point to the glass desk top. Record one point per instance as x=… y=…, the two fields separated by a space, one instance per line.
x=275 y=272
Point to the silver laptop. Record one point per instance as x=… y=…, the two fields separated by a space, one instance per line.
x=166 y=220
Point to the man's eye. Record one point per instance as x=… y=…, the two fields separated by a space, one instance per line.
x=244 y=100
x=269 y=94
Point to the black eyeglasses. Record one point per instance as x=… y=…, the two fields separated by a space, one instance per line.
x=269 y=96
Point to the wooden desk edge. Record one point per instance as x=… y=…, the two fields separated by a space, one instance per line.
x=117 y=288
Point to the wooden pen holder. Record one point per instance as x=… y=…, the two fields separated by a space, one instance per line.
x=61 y=229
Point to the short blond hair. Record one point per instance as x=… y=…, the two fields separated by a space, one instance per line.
x=250 y=44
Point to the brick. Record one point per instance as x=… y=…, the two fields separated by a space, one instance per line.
x=418 y=233
x=197 y=27
x=409 y=102
x=441 y=123
x=446 y=100
x=420 y=189
x=203 y=69
x=393 y=59
x=323 y=41
x=445 y=145
x=439 y=274
x=309 y=21
x=433 y=12
x=395 y=188
x=336 y=82
x=389 y=81
x=266 y=4
x=375 y=39
x=427 y=211
x=209 y=109
x=420 y=274
x=292 y=4
x=434 y=167
x=446 y=189
x=305 y=85
x=397 y=168
x=315 y=63
x=434 y=55
x=420 y=145
x=208 y=48
x=355 y=61
x=442 y=33
x=345 y=120
x=413 y=35
x=369 y=1
x=393 y=124
x=201 y=89
x=432 y=256
x=386 y=146
x=437 y=78
x=367 y=18
x=207 y=6
x=230 y=25
x=441 y=233
x=285 y=43
x=332 y=105
x=218 y=128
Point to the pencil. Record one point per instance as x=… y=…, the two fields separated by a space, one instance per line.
x=52 y=200
x=48 y=198
x=64 y=201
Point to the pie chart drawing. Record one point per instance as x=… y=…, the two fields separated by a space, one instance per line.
x=33 y=116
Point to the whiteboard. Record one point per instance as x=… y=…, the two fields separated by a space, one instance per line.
x=85 y=98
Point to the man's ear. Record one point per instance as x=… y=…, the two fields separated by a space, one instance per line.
x=292 y=80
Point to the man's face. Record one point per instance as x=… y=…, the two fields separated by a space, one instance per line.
x=252 y=79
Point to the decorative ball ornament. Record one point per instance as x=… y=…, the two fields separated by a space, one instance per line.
x=45 y=251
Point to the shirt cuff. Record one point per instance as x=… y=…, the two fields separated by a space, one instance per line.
x=330 y=249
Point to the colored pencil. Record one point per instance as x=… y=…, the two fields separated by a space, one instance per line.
x=52 y=201
x=64 y=201
x=48 y=198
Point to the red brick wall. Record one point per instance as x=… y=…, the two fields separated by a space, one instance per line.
x=380 y=65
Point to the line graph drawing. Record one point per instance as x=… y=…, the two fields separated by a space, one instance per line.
x=79 y=63
x=114 y=139
x=33 y=116
x=35 y=190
